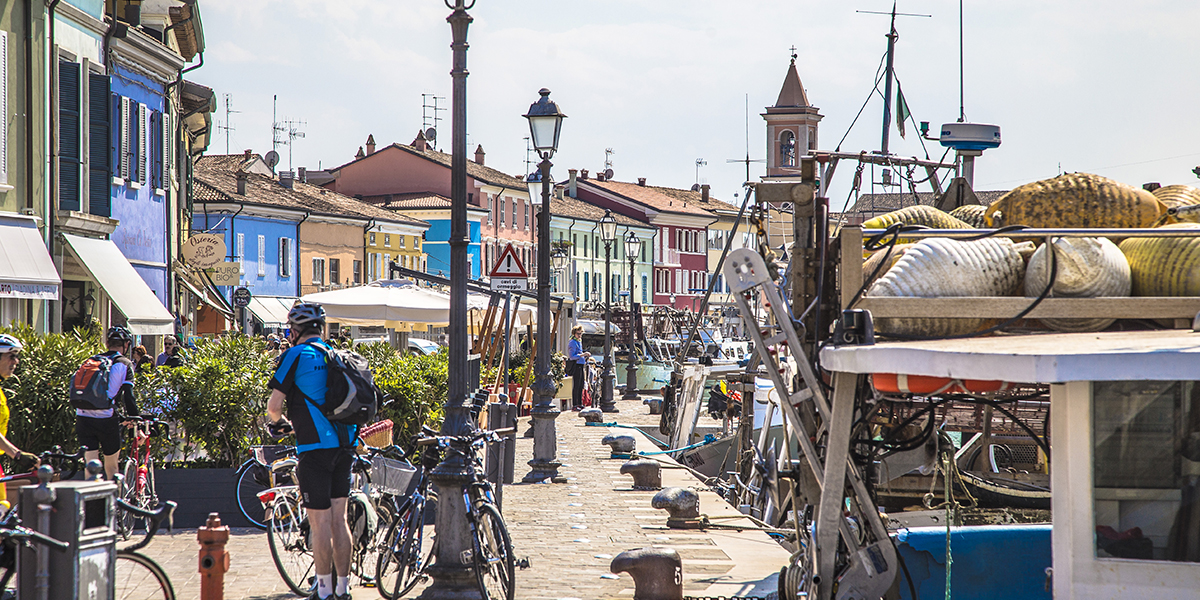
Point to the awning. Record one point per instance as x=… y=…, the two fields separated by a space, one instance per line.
x=271 y=310
x=145 y=313
x=26 y=269
x=211 y=300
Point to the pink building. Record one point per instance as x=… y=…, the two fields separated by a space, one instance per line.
x=381 y=175
x=680 y=242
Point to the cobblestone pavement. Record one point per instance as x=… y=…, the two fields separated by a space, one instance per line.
x=569 y=532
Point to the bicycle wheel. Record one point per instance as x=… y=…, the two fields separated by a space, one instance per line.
x=291 y=550
x=127 y=521
x=402 y=563
x=248 y=488
x=139 y=578
x=493 y=556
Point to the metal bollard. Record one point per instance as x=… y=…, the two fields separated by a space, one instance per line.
x=622 y=445
x=45 y=496
x=655 y=405
x=592 y=415
x=647 y=473
x=214 y=560
x=657 y=572
x=682 y=506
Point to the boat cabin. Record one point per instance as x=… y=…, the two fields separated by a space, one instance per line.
x=1125 y=445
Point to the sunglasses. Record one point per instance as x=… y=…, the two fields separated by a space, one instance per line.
x=12 y=355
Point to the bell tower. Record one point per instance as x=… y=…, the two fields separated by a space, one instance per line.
x=791 y=127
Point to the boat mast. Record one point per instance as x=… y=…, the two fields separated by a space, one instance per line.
x=887 y=84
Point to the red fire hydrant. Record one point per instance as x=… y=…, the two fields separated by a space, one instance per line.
x=214 y=561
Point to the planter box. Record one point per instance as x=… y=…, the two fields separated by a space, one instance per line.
x=199 y=492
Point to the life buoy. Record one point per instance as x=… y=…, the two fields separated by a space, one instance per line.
x=924 y=385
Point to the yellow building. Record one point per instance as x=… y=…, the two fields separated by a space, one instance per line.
x=401 y=242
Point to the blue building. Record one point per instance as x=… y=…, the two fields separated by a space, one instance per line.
x=435 y=210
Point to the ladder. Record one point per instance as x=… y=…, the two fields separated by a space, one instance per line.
x=865 y=565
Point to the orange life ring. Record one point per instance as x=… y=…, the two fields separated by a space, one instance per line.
x=924 y=385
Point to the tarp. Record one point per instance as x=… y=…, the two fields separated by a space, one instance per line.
x=271 y=310
x=593 y=327
x=110 y=269
x=26 y=269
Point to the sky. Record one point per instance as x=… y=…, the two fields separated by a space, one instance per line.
x=1100 y=86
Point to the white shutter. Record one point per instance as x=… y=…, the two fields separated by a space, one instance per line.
x=4 y=107
x=262 y=256
x=123 y=171
x=241 y=253
x=142 y=153
x=167 y=148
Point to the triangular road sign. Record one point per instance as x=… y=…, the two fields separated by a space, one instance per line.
x=509 y=265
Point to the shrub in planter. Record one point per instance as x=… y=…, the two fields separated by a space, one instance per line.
x=40 y=414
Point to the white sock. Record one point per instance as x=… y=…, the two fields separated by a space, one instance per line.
x=343 y=585
x=324 y=585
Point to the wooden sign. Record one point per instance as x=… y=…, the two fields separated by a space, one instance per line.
x=204 y=250
x=226 y=273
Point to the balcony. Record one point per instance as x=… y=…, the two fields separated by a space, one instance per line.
x=669 y=258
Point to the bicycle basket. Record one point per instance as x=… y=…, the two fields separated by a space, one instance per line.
x=269 y=454
x=391 y=476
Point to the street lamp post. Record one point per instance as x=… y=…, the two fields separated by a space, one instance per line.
x=633 y=247
x=545 y=124
x=608 y=233
x=452 y=574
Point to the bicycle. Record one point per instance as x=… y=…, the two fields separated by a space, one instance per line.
x=491 y=553
x=137 y=483
x=403 y=552
x=13 y=535
x=255 y=476
x=137 y=575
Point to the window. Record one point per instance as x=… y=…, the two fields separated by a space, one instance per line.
x=526 y=210
x=335 y=271
x=491 y=207
x=285 y=257
x=164 y=140
x=787 y=149
x=503 y=202
x=514 y=214
x=318 y=271
x=596 y=246
x=387 y=240
x=70 y=115
x=586 y=288
x=241 y=253
x=645 y=299
x=140 y=123
x=399 y=241
x=262 y=256
x=99 y=159
x=358 y=271
x=123 y=156
x=371 y=238
x=575 y=244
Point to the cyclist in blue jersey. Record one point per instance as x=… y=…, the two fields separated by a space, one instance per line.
x=325 y=449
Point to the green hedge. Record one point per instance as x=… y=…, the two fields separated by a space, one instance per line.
x=40 y=415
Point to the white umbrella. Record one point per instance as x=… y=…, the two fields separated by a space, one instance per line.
x=397 y=304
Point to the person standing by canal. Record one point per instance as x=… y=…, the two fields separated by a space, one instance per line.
x=577 y=363
x=325 y=448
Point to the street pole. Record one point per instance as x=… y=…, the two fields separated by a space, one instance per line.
x=545 y=461
x=607 y=377
x=631 y=391
x=452 y=575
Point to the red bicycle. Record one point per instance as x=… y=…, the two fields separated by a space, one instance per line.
x=137 y=473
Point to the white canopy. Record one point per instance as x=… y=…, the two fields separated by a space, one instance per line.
x=398 y=304
x=26 y=269
x=111 y=270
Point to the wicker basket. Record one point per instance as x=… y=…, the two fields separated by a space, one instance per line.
x=379 y=434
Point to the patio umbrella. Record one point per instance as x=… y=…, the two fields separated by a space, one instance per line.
x=397 y=304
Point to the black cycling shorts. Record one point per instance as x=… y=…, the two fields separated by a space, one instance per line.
x=324 y=474
x=99 y=434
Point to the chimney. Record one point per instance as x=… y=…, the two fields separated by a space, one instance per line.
x=302 y=174
x=583 y=174
x=1150 y=187
x=571 y=184
x=600 y=176
x=642 y=181
x=241 y=181
x=704 y=193
x=479 y=154
x=421 y=143
x=287 y=179
x=370 y=144
x=249 y=154
x=360 y=153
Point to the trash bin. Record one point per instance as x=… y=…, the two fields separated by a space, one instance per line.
x=82 y=515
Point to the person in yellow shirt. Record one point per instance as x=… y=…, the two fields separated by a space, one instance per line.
x=10 y=355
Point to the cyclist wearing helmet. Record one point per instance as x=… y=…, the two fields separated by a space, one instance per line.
x=325 y=449
x=10 y=355
x=100 y=430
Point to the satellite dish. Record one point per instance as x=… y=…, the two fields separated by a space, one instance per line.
x=431 y=134
x=608 y=174
x=272 y=159
x=695 y=187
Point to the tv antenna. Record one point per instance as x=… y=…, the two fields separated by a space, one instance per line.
x=700 y=162
x=889 y=73
x=528 y=151
x=608 y=172
x=228 y=126
x=429 y=116
x=747 y=160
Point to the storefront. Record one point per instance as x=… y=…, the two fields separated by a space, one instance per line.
x=27 y=273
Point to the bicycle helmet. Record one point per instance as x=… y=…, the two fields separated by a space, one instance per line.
x=118 y=335
x=307 y=315
x=9 y=343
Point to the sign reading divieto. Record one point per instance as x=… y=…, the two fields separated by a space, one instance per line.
x=204 y=250
x=226 y=273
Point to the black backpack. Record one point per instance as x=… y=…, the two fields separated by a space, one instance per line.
x=351 y=396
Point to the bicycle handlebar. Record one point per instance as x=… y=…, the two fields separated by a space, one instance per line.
x=26 y=534
x=481 y=434
x=164 y=512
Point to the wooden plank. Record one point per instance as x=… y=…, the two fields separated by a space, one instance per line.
x=1006 y=307
x=851 y=267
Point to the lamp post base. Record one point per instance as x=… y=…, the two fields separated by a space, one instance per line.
x=451 y=583
x=452 y=578
x=631 y=392
x=545 y=463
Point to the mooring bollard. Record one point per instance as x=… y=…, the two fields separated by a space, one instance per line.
x=622 y=445
x=647 y=473
x=657 y=572
x=592 y=415
x=655 y=405
x=214 y=560
x=682 y=506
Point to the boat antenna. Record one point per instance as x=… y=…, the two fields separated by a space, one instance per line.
x=747 y=160
x=892 y=36
x=962 y=112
